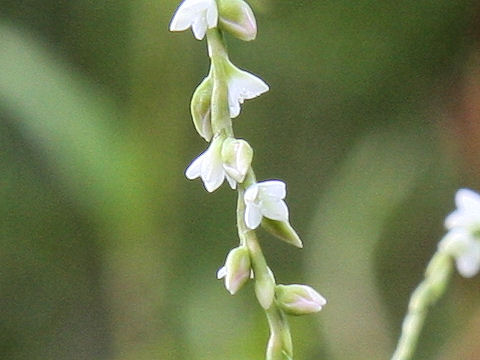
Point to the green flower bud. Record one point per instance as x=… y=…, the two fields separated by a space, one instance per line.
x=237 y=269
x=282 y=230
x=265 y=288
x=237 y=18
x=200 y=108
x=275 y=348
x=298 y=299
x=237 y=157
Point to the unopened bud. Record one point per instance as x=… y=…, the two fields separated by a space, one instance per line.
x=275 y=348
x=237 y=157
x=200 y=109
x=237 y=18
x=265 y=288
x=282 y=230
x=299 y=299
x=237 y=269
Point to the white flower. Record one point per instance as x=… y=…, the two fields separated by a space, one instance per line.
x=209 y=166
x=199 y=14
x=462 y=241
x=465 y=249
x=224 y=159
x=242 y=86
x=265 y=199
x=467 y=214
x=237 y=158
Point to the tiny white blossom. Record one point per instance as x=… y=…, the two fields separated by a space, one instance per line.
x=242 y=86
x=462 y=241
x=224 y=159
x=198 y=14
x=209 y=166
x=467 y=214
x=237 y=158
x=265 y=199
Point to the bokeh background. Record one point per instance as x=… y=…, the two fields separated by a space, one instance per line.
x=109 y=253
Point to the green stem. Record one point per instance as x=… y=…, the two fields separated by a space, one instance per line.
x=220 y=113
x=264 y=283
x=425 y=295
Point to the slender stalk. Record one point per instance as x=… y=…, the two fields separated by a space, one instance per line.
x=280 y=345
x=425 y=295
x=221 y=122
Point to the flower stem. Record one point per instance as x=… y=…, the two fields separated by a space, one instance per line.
x=220 y=112
x=280 y=344
x=425 y=295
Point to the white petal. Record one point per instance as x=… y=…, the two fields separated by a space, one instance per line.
x=469 y=263
x=185 y=14
x=242 y=86
x=221 y=272
x=237 y=157
x=212 y=171
x=462 y=218
x=194 y=169
x=251 y=193
x=233 y=104
x=181 y=21
x=273 y=188
x=199 y=28
x=212 y=15
x=467 y=200
x=213 y=177
x=253 y=216
x=199 y=14
x=275 y=210
x=231 y=182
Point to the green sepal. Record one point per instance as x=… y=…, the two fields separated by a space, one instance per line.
x=200 y=108
x=265 y=288
x=282 y=230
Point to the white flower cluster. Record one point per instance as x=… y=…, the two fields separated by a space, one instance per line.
x=226 y=157
x=462 y=241
x=215 y=102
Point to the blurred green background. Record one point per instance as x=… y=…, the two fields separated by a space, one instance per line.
x=108 y=252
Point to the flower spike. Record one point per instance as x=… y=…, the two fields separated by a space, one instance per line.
x=215 y=102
